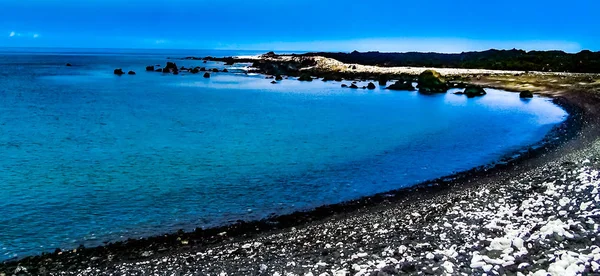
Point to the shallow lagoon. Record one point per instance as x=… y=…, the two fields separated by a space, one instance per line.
x=89 y=157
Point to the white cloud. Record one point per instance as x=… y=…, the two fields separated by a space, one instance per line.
x=12 y=34
x=36 y=35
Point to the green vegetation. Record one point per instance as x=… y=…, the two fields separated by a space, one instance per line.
x=546 y=61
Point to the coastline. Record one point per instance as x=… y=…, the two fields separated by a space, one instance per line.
x=578 y=131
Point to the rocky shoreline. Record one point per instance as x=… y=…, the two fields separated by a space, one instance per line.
x=534 y=214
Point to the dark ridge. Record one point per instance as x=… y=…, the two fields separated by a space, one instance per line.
x=547 y=61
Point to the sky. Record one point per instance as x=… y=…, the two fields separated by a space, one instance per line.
x=308 y=25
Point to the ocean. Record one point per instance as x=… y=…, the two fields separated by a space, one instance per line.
x=88 y=157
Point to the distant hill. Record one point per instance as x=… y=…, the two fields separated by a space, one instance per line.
x=547 y=61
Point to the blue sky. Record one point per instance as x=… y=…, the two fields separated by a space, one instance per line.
x=386 y=25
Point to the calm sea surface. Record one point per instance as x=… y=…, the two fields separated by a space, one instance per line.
x=87 y=156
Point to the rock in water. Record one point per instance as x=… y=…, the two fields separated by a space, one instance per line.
x=119 y=71
x=131 y=73
x=278 y=77
x=195 y=70
x=150 y=68
x=526 y=94
x=69 y=65
x=431 y=81
x=402 y=85
x=215 y=70
x=344 y=85
x=474 y=91
x=305 y=77
x=383 y=79
x=371 y=86
x=202 y=69
x=353 y=86
x=171 y=68
x=273 y=82
x=207 y=75
x=225 y=70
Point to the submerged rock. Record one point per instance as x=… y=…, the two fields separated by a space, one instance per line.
x=119 y=71
x=131 y=73
x=68 y=65
x=305 y=77
x=150 y=68
x=526 y=94
x=371 y=86
x=402 y=85
x=431 y=81
x=474 y=91
x=207 y=75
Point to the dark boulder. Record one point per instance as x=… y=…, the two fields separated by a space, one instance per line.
x=171 y=67
x=431 y=81
x=526 y=94
x=158 y=70
x=278 y=77
x=353 y=86
x=383 y=79
x=119 y=71
x=68 y=65
x=207 y=75
x=225 y=70
x=273 y=82
x=150 y=68
x=202 y=69
x=305 y=77
x=353 y=67
x=195 y=70
x=474 y=91
x=402 y=85
x=215 y=70
x=204 y=61
x=344 y=85
x=371 y=86
x=131 y=73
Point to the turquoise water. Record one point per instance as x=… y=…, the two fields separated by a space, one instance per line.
x=89 y=157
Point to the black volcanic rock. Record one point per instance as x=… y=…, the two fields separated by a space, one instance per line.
x=383 y=79
x=344 y=85
x=278 y=77
x=526 y=94
x=150 y=68
x=68 y=65
x=474 y=91
x=353 y=86
x=371 y=86
x=215 y=70
x=207 y=75
x=401 y=85
x=119 y=71
x=131 y=73
x=305 y=77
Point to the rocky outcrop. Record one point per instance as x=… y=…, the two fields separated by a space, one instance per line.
x=207 y=75
x=353 y=86
x=278 y=77
x=195 y=70
x=119 y=71
x=371 y=86
x=431 y=81
x=150 y=68
x=273 y=82
x=225 y=70
x=171 y=67
x=215 y=70
x=474 y=91
x=131 y=73
x=526 y=94
x=344 y=85
x=402 y=85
